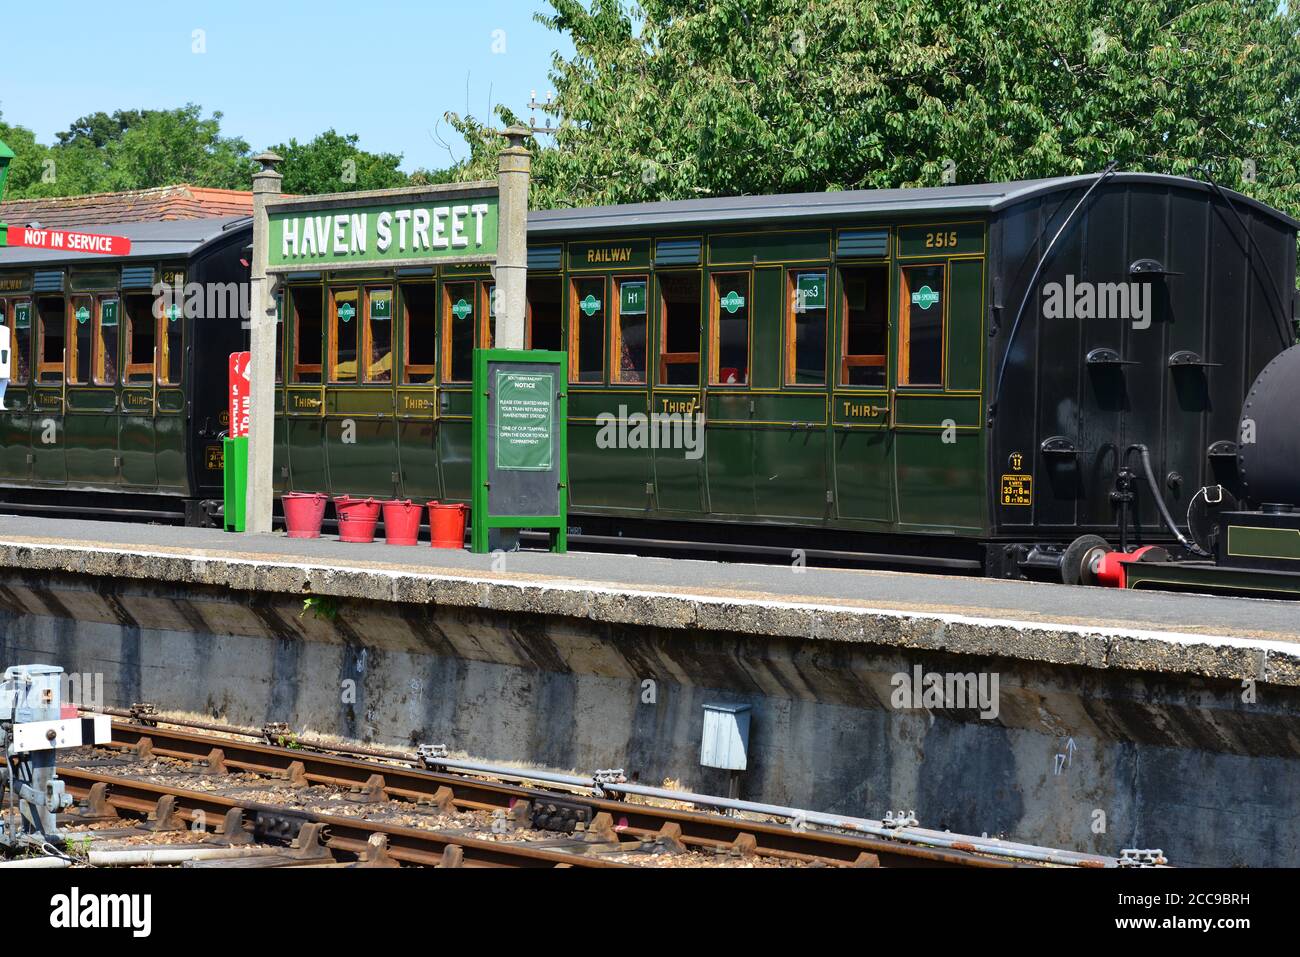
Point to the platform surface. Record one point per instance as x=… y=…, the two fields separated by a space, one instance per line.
x=918 y=593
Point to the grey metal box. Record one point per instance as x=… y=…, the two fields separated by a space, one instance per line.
x=725 y=743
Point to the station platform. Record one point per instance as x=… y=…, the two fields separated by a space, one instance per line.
x=1094 y=627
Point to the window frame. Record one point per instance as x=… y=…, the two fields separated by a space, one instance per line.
x=128 y=369
x=296 y=368
x=715 y=329
x=410 y=368
x=447 y=323
x=859 y=360
x=332 y=353
x=42 y=366
x=71 y=349
x=905 y=327
x=365 y=347
x=790 y=370
x=665 y=358
x=12 y=321
x=487 y=328
x=161 y=349
x=616 y=330
x=574 y=337
x=97 y=342
x=558 y=279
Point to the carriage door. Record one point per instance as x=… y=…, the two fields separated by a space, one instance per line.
x=936 y=407
x=678 y=314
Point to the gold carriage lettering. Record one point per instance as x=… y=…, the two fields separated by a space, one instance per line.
x=687 y=406
x=307 y=402
x=614 y=254
x=416 y=403
x=863 y=410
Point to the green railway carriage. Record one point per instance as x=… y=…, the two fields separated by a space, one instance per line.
x=844 y=351
x=116 y=401
x=885 y=373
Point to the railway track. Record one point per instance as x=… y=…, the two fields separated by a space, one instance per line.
x=582 y=830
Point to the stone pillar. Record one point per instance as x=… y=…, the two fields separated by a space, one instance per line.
x=512 y=244
x=261 y=422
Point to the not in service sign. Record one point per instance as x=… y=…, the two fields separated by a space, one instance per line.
x=520 y=444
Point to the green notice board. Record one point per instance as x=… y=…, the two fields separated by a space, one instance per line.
x=520 y=444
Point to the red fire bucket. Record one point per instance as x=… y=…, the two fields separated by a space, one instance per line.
x=402 y=522
x=303 y=513
x=447 y=525
x=357 y=519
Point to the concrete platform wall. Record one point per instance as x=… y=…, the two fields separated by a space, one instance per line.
x=1082 y=754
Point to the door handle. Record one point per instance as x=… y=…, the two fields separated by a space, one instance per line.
x=893 y=408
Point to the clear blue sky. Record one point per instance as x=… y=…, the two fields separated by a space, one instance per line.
x=384 y=69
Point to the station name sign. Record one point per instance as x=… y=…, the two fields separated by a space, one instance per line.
x=444 y=224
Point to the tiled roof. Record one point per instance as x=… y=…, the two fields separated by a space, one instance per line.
x=136 y=206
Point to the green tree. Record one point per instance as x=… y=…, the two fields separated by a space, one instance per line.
x=177 y=146
x=676 y=99
x=28 y=161
x=333 y=163
x=100 y=129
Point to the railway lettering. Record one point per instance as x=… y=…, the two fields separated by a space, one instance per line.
x=622 y=254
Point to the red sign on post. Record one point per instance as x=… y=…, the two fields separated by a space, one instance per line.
x=239 y=401
x=64 y=241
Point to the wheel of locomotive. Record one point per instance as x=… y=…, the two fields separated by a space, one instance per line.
x=1077 y=562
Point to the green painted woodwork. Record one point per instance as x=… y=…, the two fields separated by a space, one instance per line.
x=744 y=249
x=615 y=256
x=940 y=239
x=1258 y=542
x=966 y=336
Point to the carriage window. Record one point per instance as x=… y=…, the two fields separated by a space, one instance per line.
x=83 y=339
x=544 y=314
x=488 y=334
x=729 y=362
x=171 y=350
x=630 y=327
x=920 y=326
x=141 y=326
x=308 y=330
x=419 y=306
x=805 y=337
x=865 y=336
x=345 y=321
x=458 y=337
x=379 y=335
x=50 y=320
x=679 y=340
x=106 y=342
x=20 y=341
x=587 y=331
x=279 y=339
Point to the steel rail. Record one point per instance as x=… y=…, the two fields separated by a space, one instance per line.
x=700 y=830
x=407 y=844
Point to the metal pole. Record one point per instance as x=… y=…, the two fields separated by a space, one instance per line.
x=261 y=420
x=513 y=174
